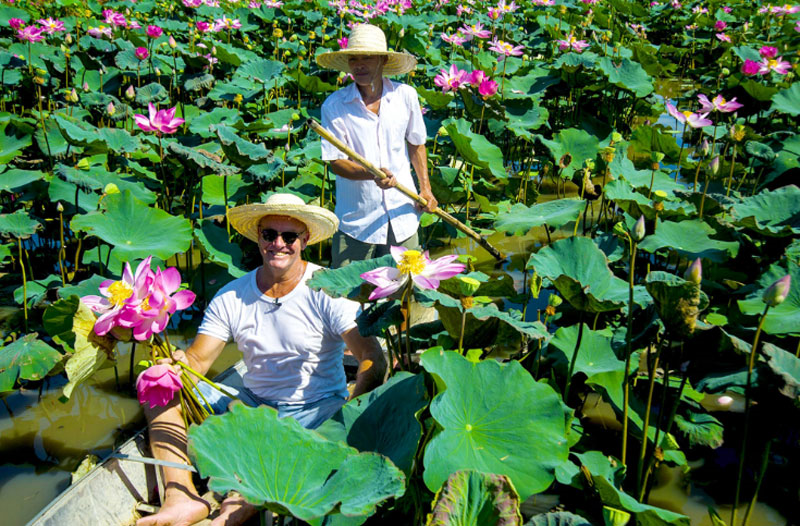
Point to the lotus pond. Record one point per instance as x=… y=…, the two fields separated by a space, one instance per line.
x=650 y=234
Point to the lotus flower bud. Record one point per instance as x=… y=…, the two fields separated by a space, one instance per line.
x=777 y=292
x=656 y=157
x=111 y=188
x=705 y=147
x=85 y=86
x=554 y=300
x=59 y=207
x=130 y=93
x=157 y=385
x=468 y=286
x=110 y=108
x=73 y=96
x=172 y=42
x=714 y=165
x=695 y=272
x=616 y=137
x=158 y=72
x=615 y=517
x=619 y=229
x=68 y=39
x=638 y=229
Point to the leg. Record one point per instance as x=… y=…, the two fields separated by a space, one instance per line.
x=345 y=250
x=182 y=505
x=410 y=243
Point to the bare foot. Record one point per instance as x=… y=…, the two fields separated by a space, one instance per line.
x=180 y=509
x=234 y=510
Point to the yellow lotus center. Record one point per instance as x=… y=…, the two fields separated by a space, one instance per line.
x=687 y=114
x=572 y=39
x=772 y=63
x=411 y=262
x=120 y=291
x=146 y=303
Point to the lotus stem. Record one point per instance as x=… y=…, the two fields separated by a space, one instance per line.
x=461 y=336
x=628 y=349
x=574 y=358
x=761 y=473
x=24 y=284
x=407 y=297
x=130 y=369
x=743 y=451
x=61 y=251
x=225 y=197
x=730 y=175
x=652 y=366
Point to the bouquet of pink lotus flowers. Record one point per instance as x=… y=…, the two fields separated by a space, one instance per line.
x=142 y=303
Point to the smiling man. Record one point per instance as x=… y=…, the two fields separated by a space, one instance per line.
x=292 y=339
x=382 y=121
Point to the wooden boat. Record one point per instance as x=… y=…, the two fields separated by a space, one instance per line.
x=117 y=490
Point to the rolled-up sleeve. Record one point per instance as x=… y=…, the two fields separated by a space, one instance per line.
x=416 y=133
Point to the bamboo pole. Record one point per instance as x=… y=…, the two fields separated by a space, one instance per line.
x=449 y=219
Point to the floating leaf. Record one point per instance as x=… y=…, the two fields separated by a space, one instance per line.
x=384 y=420
x=28 y=358
x=469 y=498
x=494 y=418
x=276 y=463
x=520 y=218
x=691 y=239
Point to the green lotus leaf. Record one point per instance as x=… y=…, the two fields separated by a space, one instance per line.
x=524 y=118
x=494 y=418
x=700 y=429
x=785 y=318
x=36 y=289
x=760 y=151
x=119 y=140
x=5 y=252
x=636 y=203
x=27 y=358
x=53 y=145
x=379 y=317
x=645 y=515
x=126 y=60
x=470 y=498
x=84 y=179
x=579 y=270
x=678 y=302
x=770 y=212
x=346 y=282
x=558 y=518
x=77 y=132
x=276 y=463
x=520 y=219
x=18 y=224
x=84 y=288
x=531 y=85
x=647 y=139
x=575 y=60
x=241 y=152
x=14 y=179
x=579 y=144
x=691 y=239
x=134 y=229
x=311 y=83
x=786 y=367
x=214 y=240
x=67 y=193
x=262 y=70
x=153 y=92
x=57 y=320
x=266 y=172
x=201 y=160
x=747 y=53
x=476 y=149
x=12 y=141
x=199 y=82
x=759 y=91
x=628 y=75
x=205 y=123
x=596 y=359
x=622 y=166
x=92 y=352
x=788 y=159
x=787 y=101
x=384 y=420
x=435 y=99
x=234 y=55
x=214 y=189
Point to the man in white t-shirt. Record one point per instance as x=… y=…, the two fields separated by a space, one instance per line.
x=292 y=339
x=382 y=121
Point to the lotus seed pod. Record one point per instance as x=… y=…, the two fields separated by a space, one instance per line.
x=111 y=188
x=554 y=300
x=656 y=157
x=616 y=137
x=725 y=72
x=638 y=229
x=59 y=207
x=468 y=286
x=777 y=292
x=277 y=33
x=158 y=72
x=295 y=116
x=130 y=93
x=615 y=517
x=659 y=195
x=695 y=272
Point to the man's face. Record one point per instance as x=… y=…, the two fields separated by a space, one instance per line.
x=367 y=69
x=277 y=254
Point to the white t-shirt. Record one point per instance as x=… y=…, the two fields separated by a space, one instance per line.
x=293 y=348
x=363 y=209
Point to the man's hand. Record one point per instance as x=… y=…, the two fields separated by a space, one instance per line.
x=432 y=202
x=387 y=182
x=177 y=356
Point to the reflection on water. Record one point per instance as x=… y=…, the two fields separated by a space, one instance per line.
x=43 y=440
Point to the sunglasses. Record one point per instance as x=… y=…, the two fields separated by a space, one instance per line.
x=270 y=234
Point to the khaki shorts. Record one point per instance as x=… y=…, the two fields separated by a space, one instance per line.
x=345 y=249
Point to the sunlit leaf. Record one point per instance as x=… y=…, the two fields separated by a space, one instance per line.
x=476 y=149
x=91 y=351
x=520 y=219
x=18 y=224
x=770 y=212
x=28 y=358
x=691 y=239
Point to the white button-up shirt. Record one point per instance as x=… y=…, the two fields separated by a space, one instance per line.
x=365 y=210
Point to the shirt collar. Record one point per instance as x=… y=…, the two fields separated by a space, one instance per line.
x=352 y=94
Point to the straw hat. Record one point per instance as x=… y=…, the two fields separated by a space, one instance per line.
x=366 y=39
x=320 y=223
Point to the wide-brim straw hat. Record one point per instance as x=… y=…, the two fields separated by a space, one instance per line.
x=320 y=222
x=366 y=39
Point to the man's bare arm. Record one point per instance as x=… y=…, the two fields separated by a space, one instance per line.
x=371 y=363
x=201 y=354
x=419 y=160
x=354 y=171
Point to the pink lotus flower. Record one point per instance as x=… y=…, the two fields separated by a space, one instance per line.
x=694 y=120
x=226 y=23
x=161 y=121
x=203 y=27
x=100 y=32
x=117 y=295
x=152 y=314
x=695 y=272
x=461 y=9
x=722 y=37
x=768 y=52
x=495 y=13
x=507 y=8
x=133 y=24
x=450 y=80
x=487 y=88
x=157 y=385
x=454 y=39
x=30 y=34
x=699 y=10
x=114 y=18
x=750 y=67
x=475 y=78
x=797 y=26
x=342 y=43
x=718 y=103
x=154 y=31
x=727 y=9
x=273 y=5
x=52 y=26
x=475 y=30
x=572 y=43
x=192 y=3
x=16 y=23
x=777 y=65
x=141 y=53
x=720 y=25
x=411 y=264
x=504 y=49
